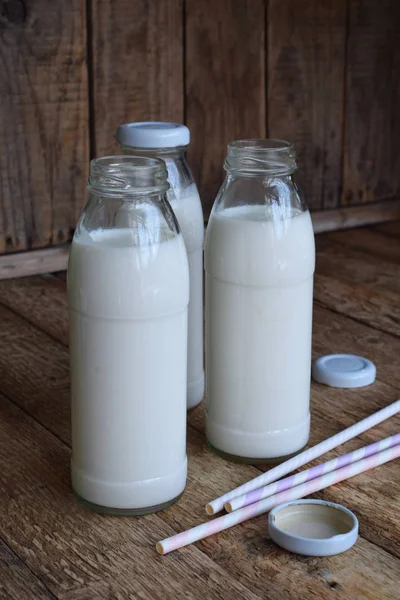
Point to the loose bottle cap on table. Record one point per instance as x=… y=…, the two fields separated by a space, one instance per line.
x=343 y=371
x=153 y=134
x=313 y=527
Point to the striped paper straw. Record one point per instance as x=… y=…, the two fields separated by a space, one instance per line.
x=305 y=457
x=309 y=474
x=262 y=506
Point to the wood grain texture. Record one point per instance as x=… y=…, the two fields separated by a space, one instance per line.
x=17 y=582
x=41 y=385
x=342 y=261
x=45 y=306
x=372 y=119
x=370 y=240
x=225 y=83
x=377 y=310
x=43 y=125
x=392 y=229
x=357 y=284
x=355 y=216
x=137 y=65
x=33 y=262
x=306 y=57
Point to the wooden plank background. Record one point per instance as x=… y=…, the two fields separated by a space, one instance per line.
x=324 y=74
x=43 y=121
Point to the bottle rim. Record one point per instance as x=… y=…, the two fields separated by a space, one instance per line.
x=258 y=156
x=261 y=145
x=127 y=175
x=153 y=151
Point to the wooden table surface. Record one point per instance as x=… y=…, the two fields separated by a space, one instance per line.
x=51 y=547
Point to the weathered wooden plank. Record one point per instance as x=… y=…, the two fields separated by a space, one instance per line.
x=370 y=241
x=23 y=264
x=372 y=118
x=44 y=124
x=355 y=266
x=69 y=548
x=358 y=284
x=137 y=65
x=225 y=83
x=334 y=332
x=37 y=377
x=17 y=582
x=378 y=310
x=105 y=591
x=390 y=228
x=40 y=300
x=306 y=48
x=355 y=216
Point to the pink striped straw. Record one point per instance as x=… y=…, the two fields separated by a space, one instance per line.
x=262 y=506
x=304 y=457
x=309 y=474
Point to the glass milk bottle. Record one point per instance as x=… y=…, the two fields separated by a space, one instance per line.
x=259 y=262
x=169 y=142
x=128 y=292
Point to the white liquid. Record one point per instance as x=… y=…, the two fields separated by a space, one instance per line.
x=259 y=285
x=128 y=346
x=189 y=213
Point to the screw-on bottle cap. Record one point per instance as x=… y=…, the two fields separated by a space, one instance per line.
x=153 y=134
x=343 y=370
x=313 y=527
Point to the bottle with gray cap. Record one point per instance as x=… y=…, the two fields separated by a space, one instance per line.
x=169 y=141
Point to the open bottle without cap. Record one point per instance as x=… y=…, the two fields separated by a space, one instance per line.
x=128 y=292
x=169 y=141
x=259 y=263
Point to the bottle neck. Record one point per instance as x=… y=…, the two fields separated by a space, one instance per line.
x=169 y=153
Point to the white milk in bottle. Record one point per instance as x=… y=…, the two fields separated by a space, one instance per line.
x=259 y=262
x=169 y=141
x=128 y=290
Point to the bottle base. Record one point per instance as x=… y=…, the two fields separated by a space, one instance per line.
x=266 y=447
x=253 y=461
x=136 y=497
x=125 y=512
x=195 y=393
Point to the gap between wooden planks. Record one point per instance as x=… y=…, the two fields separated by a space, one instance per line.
x=54 y=305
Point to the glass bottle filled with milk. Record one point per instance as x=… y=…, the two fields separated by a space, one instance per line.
x=259 y=263
x=128 y=293
x=169 y=141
